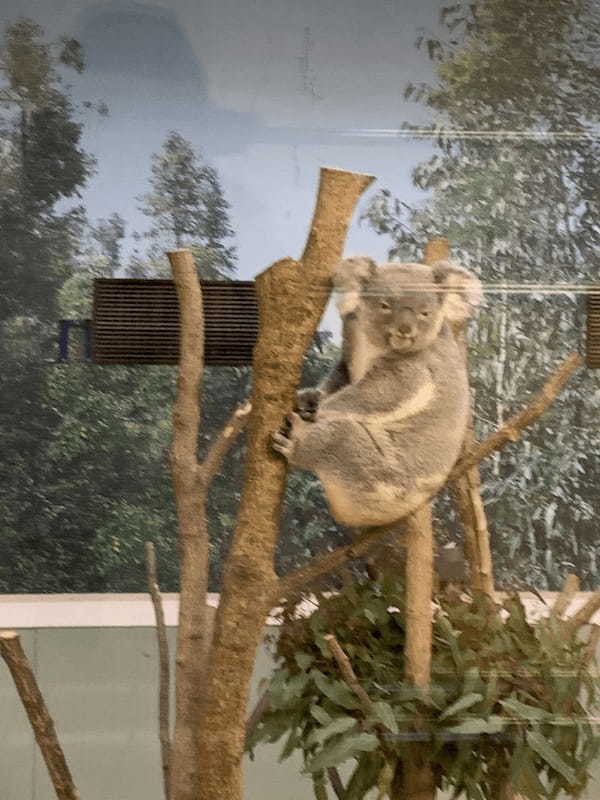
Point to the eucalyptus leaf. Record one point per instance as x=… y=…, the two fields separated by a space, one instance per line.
x=335 y=690
x=462 y=704
x=383 y=712
x=477 y=726
x=320 y=714
x=523 y=710
x=338 y=725
x=543 y=748
x=341 y=750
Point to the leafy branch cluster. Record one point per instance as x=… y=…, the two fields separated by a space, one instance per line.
x=509 y=700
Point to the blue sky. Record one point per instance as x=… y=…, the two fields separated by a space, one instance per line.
x=268 y=90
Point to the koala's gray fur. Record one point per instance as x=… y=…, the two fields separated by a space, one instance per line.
x=384 y=430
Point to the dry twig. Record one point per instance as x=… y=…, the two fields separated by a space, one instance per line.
x=513 y=429
x=164 y=733
x=348 y=674
x=39 y=717
x=207 y=470
x=585 y=613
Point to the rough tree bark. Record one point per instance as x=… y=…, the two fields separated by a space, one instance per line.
x=191 y=481
x=287 y=302
x=39 y=717
x=184 y=771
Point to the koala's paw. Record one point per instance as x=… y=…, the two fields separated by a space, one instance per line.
x=307 y=403
x=283 y=440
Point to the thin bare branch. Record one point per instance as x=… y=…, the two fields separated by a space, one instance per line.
x=164 y=733
x=39 y=717
x=220 y=446
x=585 y=613
x=513 y=429
x=262 y=706
x=336 y=782
x=348 y=674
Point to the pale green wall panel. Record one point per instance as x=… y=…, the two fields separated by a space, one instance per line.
x=100 y=685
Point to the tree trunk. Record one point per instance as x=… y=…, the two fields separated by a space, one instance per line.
x=290 y=310
x=184 y=770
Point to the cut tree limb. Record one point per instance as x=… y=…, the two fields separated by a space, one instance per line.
x=207 y=470
x=39 y=717
x=164 y=733
x=289 y=312
x=193 y=536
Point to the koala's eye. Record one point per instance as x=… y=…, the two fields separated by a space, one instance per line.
x=384 y=306
x=423 y=314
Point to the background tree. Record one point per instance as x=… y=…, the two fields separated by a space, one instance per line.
x=514 y=185
x=188 y=209
x=109 y=234
x=86 y=479
x=43 y=164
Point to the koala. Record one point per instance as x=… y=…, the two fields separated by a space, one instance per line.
x=386 y=427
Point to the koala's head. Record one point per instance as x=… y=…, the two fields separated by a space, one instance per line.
x=402 y=307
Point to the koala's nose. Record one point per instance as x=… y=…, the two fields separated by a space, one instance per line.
x=405 y=329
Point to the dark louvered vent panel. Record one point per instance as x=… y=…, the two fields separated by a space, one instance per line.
x=137 y=322
x=592 y=350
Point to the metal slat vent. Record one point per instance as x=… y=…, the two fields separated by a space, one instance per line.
x=592 y=347
x=137 y=322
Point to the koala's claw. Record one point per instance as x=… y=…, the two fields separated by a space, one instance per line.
x=282 y=443
x=307 y=404
x=283 y=440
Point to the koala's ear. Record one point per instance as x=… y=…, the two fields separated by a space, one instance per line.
x=349 y=278
x=463 y=290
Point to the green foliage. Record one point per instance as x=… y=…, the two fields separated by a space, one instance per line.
x=509 y=699
x=188 y=207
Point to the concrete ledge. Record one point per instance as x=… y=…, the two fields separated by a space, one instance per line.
x=135 y=610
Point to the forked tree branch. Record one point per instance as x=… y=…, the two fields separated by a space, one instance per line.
x=207 y=470
x=39 y=717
